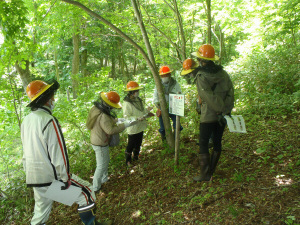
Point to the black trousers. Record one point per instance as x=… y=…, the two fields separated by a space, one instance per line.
x=134 y=145
x=208 y=129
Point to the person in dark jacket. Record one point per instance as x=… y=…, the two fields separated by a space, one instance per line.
x=45 y=156
x=216 y=92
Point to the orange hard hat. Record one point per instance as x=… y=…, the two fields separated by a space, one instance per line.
x=112 y=98
x=132 y=86
x=36 y=88
x=206 y=52
x=188 y=66
x=164 y=70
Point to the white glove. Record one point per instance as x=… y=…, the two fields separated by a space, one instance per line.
x=130 y=123
x=126 y=123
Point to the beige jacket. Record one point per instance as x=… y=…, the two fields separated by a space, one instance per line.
x=102 y=127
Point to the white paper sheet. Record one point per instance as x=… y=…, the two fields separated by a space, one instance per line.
x=236 y=124
x=67 y=197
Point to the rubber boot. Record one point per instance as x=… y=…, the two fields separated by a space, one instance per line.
x=87 y=215
x=204 y=168
x=214 y=161
x=163 y=137
x=128 y=158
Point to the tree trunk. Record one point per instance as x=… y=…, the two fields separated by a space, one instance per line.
x=56 y=65
x=183 y=42
x=148 y=58
x=75 y=62
x=157 y=80
x=208 y=11
x=113 y=60
x=84 y=59
x=24 y=73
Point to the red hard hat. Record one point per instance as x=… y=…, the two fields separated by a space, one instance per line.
x=164 y=70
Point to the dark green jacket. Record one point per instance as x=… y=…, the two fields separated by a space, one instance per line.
x=217 y=94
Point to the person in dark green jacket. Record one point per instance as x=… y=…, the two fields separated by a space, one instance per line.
x=216 y=92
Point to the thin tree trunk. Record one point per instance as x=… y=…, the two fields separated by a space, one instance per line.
x=148 y=58
x=75 y=62
x=56 y=65
x=180 y=23
x=24 y=73
x=157 y=80
x=208 y=11
x=84 y=59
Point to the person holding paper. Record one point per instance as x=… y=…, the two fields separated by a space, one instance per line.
x=45 y=156
x=102 y=121
x=133 y=109
x=216 y=91
x=171 y=86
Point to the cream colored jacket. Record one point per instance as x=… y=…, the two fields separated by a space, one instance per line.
x=132 y=113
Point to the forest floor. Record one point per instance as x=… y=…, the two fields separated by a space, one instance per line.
x=256 y=182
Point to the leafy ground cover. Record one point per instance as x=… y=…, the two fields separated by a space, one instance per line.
x=256 y=182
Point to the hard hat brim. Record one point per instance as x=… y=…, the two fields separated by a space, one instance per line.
x=134 y=89
x=166 y=73
x=105 y=99
x=185 y=72
x=201 y=57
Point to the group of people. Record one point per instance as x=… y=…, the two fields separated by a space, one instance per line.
x=45 y=157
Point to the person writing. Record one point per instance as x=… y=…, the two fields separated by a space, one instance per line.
x=102 y=122
x=133 y=109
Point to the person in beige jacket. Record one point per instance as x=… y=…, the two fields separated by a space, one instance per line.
x=103 y=124
x=133 y=109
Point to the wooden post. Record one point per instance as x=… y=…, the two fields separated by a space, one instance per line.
x=177 y=138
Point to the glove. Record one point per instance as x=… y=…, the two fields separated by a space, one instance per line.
x=130 y=123
x=222 y=121
x=67 y=185
x=150 y=114
x=121 y=120
x=158 y=113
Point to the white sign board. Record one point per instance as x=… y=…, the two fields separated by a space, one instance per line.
x=67 y=197
x=236 y=123
x=176 y=104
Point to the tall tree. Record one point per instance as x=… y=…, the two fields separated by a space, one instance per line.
x=148 y=58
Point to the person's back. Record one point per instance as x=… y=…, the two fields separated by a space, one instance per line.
x=39 y=133
x=216 y=91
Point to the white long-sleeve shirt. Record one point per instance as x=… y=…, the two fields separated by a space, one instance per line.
x=45 y=155
x=172 y=87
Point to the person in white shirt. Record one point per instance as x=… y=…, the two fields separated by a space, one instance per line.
x=133 y=109
x=171 y=86
x=45 y=156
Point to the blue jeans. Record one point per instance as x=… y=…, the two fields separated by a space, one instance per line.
x=162 y=127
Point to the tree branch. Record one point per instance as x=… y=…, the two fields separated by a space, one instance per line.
x=162 y=33
x=92 y=13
